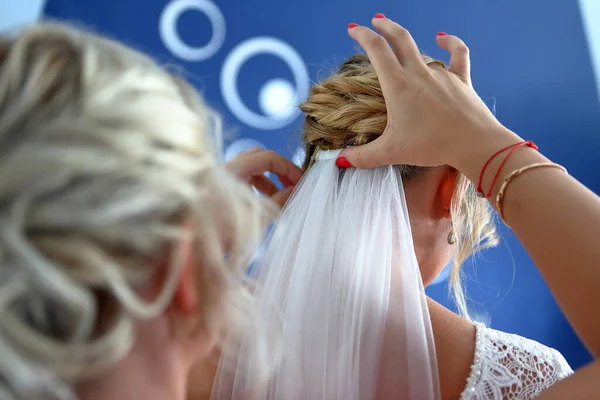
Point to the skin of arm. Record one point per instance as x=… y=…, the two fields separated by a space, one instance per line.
x=557 y=220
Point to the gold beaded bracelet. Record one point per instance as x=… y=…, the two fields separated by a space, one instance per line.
x=509 y=178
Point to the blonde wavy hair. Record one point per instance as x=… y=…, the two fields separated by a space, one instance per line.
x=348 y=109
x=105 y=158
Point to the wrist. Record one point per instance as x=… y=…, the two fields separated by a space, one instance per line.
x=479 y=146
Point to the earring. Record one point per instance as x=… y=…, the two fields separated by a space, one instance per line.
x=451 y=237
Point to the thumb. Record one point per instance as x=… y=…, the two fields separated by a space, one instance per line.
x=368 y=155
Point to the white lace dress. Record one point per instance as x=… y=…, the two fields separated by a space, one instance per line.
x=511 y=367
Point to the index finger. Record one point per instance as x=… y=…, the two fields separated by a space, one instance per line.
x=268 y=161
x=389 y=70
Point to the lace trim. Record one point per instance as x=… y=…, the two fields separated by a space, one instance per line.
x=509 y=366
x=477 y=363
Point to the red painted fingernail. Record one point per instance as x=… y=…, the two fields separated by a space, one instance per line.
x=342 y=162
x=379 y=15
x=352 y=25
x=442 y=34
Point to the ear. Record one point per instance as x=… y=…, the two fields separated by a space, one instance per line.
x=446 y=190
x=185 y=299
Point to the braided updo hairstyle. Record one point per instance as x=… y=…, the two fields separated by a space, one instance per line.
x=348 y=109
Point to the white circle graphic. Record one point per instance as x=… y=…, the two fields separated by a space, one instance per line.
x=278 y=114
x=167 y=28
x=277 y=99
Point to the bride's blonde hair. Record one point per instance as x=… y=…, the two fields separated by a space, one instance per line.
x=348 y=109
x=105 y=158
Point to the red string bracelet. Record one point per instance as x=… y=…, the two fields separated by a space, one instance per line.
x=527 y=143
x=514 y=147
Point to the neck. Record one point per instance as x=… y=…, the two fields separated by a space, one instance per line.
x=151 y=370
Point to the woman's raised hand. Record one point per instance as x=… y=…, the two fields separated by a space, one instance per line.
x=434 y=115
x=251 y=166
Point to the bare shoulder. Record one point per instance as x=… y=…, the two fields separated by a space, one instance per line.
x=455 y=347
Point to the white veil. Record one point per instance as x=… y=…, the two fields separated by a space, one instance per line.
x=340 y=291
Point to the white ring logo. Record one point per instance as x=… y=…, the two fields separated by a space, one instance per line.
x=167 y=28
x=278 y=98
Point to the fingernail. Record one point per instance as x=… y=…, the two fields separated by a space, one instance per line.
x=442 y=34
x=379 y=15
x=352 y=25
x=342 y=162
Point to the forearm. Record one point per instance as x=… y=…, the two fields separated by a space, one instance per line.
x=558 y=222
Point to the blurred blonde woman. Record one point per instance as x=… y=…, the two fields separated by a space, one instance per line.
x=122 y=243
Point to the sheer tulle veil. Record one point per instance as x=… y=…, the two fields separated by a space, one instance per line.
x=340 y=295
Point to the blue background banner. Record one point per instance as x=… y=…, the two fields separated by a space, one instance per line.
x=535 y=64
